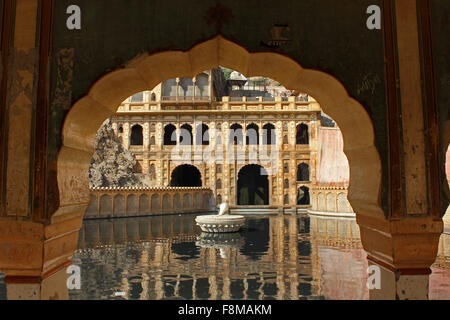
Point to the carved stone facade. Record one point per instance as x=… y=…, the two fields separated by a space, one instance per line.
x=228 y=133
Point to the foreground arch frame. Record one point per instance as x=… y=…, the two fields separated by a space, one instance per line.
x=146 y=71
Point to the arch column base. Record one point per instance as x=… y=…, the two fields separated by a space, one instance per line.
x=404 y=251
x=406 y=284
x=51 y=286
x=34 y=257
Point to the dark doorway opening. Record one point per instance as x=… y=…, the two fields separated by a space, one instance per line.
x=302 y=134
x=303 y=197
x=137 y=138
x=186 y=176
x=253 y=186
x=169 y=135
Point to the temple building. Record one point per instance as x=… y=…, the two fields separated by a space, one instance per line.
x=250 y=141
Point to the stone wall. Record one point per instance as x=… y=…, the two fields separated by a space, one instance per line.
x=134 y=202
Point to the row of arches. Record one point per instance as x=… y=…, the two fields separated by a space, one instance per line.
x=202 y=135
x=331 y=202
x=187 y=87
x=143 y=204
x=252 y=136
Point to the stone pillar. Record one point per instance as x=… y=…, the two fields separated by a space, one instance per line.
x=126 y=135
x=194 y=82
x=178 y=88
x=159 y=136
x=405 y=243
x=51 y=287
x=146 y=134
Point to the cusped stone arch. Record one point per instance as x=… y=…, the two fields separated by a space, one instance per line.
x=166 y=203
x=105 y=204
x=321 y=202
x=119 y=205
x=331 y=207
x=92 y=210
x=194 y=165
x=177 y=204
x=342 y=203
x=144 y=208
x=132 y=204
x=155 y=205
x=148 y=70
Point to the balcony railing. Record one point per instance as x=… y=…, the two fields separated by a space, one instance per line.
x=186 y=99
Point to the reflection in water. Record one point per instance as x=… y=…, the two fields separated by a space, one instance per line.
x=276 y=257
x=169 y=258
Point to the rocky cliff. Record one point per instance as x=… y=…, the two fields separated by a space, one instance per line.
x=112 y=165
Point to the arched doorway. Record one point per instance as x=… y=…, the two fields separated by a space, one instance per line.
x=303 y=196
x=253 y=186
x=186 y=176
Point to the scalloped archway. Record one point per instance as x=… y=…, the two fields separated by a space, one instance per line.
x=146 y=71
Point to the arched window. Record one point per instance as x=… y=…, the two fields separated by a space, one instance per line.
x=219 y=168
x=202 y=85
x=302 y=134
x=269 y=136
x=186 y=87
x=286 y=183
x=236 y=135
x=169 y=135
x=286 y=199
x=219 y=184
x=286 y=167
x=186 y=135
x=202 y=135
x=169 y=88
x=137 y=138
x=152 y=141
x=303 y=172
x=120 y=129
x=252 y=135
